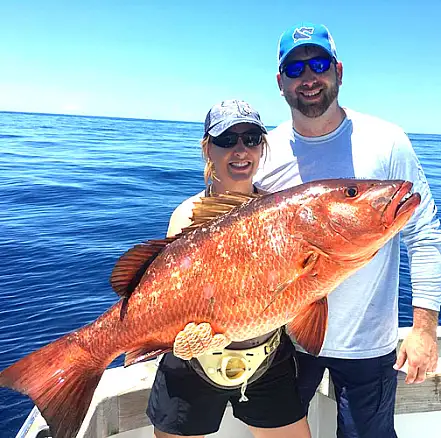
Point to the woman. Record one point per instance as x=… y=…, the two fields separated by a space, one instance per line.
x=185 y=400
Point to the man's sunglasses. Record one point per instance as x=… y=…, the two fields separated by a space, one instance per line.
x=295 y=69
x=227 y=140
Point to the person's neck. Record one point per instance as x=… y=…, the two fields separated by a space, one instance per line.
x=318 y=126
x=237 y=186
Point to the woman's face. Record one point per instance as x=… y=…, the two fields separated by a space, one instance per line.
x=238 y=163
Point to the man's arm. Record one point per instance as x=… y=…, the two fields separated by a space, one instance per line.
x=420 y=347
x=422 y=238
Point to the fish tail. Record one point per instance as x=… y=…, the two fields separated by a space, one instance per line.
x=61 y=379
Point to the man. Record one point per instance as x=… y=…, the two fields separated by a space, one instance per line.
x=325 y=140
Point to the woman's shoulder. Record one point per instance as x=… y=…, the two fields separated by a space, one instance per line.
x=181 y=216
x=186 y=207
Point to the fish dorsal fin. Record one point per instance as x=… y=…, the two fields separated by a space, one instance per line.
x=211 y=207
x=132 y=265
x=309 y=327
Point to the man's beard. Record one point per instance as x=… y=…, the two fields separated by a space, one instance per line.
x=316 y=109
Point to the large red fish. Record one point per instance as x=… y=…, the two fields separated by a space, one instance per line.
x=268 y=262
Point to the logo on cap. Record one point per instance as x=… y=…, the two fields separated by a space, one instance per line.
x=332 y=44
x=304 y=33
x=242 y=107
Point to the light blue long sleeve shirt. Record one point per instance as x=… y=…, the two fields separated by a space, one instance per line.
x=363 y=310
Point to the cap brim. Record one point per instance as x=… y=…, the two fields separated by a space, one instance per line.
x=282 y=60
x=221 y=127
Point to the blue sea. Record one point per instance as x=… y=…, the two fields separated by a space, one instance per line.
x=75 y=193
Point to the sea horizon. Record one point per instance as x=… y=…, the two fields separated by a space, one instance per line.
x=152 y=120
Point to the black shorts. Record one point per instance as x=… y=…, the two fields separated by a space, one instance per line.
x=182 y=403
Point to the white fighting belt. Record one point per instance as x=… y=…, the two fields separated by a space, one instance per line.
x=235 y=367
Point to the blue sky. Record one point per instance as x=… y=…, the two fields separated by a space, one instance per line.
x=170 y=59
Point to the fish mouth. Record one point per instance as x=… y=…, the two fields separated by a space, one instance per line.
x=402 y=205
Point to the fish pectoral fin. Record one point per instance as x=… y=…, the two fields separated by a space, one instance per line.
x=142 y=354
x=279 y=290
x=309 y=327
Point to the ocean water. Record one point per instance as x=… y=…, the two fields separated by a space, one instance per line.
x=75 y=193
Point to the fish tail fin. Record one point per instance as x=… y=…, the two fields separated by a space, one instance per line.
x=61 y=379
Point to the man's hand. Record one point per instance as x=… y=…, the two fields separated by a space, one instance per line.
x=419 y=347
x=197 y=339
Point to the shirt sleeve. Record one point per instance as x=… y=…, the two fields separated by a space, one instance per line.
x=421 y=235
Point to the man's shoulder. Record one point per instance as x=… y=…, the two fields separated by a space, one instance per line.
x=282 y=130
x=372 y=123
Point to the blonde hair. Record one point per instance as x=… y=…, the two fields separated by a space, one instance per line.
x=209 y=171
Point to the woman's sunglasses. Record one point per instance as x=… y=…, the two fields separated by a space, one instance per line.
x=250 y=139
x=295 y=69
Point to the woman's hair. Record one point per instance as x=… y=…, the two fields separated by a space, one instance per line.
x=209 y=172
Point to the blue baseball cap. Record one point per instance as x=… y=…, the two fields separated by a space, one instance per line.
x=306 y=34
x=228 y=113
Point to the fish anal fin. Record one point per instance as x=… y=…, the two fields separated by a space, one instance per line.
x=309 y=327
x=143 y=354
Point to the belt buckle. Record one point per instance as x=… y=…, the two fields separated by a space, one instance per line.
x=273 y=343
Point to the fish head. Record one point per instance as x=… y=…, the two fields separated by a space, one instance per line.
x=351 y=219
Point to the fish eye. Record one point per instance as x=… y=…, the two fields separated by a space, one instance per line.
x=351 y=192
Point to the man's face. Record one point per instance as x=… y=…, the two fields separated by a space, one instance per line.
x=311 y=93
